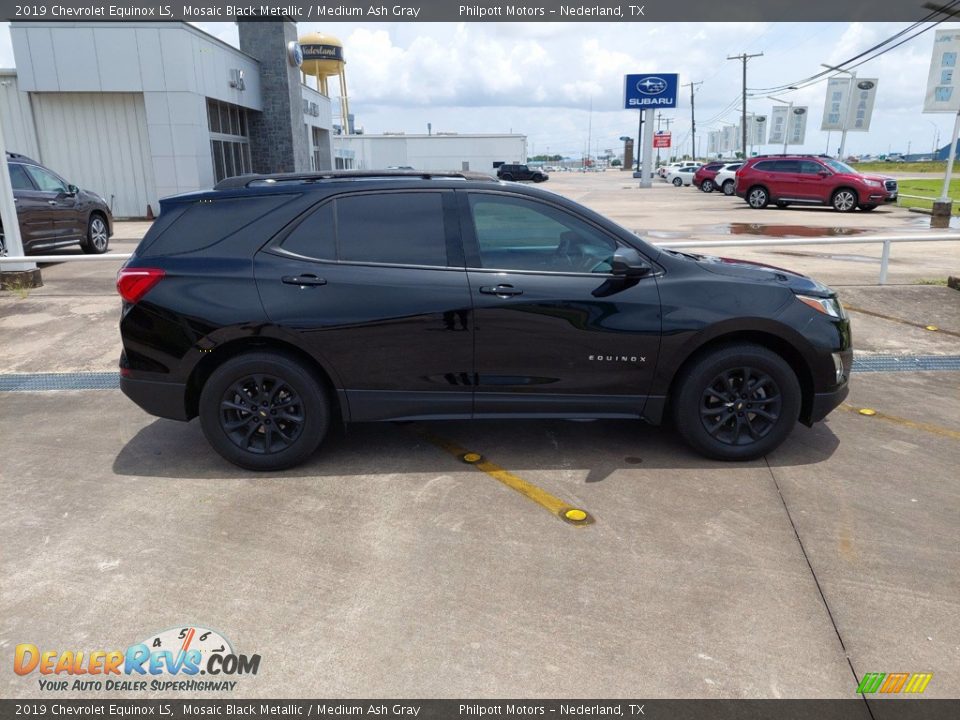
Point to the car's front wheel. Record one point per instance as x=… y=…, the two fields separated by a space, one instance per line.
x=844 y=200
x=738 y=402
x=98 y=238
x=264 y=411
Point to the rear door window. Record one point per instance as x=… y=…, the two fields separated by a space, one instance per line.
x=787 y=166
x=19 y=178
x=765 y=166
x=394 y=228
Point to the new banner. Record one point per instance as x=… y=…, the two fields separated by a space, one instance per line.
x=757 y=129
x=797 y=130
x=836 y=103
x=778 y=124
x=942 y=94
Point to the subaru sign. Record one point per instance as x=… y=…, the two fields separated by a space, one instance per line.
x=650 y=91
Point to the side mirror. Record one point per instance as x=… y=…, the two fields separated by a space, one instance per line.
x=629 y=263
x=72 y=189
x=823 y=174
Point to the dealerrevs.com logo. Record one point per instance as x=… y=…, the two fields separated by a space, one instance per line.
x=174 y=659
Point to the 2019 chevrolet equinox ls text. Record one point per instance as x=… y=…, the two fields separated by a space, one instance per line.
x=274 y=306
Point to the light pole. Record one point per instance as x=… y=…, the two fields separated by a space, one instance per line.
x=936 y=139
x=786 y=127
x=846 y=107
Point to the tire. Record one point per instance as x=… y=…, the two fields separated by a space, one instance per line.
x=758 y=197
x=729 y=188
x=269 y=382
x=707 y=186
x=3 y=243
x=538 y=178
x=97 y=241
x=844 y=200
x=868 y=208
x=714 y=417
x=677 y=182
x=507 y=176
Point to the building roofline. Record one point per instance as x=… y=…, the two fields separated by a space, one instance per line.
x=436 y=135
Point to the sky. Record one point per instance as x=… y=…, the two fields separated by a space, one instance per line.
x=561 y=84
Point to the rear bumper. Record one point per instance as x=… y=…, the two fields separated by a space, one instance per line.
x=163 y=399
x=825 y=403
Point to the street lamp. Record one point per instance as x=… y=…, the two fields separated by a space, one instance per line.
x=936 y=139
x=786 y=128
x=846 y=107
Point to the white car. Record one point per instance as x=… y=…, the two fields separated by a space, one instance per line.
x=726 y=178
x=665 y=170
x=682 y=176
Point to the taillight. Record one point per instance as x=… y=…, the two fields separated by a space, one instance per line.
x=134 y=283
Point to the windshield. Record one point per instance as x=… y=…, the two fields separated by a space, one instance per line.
x=840 y=167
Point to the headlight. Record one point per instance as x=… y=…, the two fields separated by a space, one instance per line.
x=827 y=306
x=873 y=183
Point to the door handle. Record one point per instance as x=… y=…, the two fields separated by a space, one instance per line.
x=303 y=280
x=501 y=291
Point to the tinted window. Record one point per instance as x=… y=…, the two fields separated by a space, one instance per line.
x=809 y=167
x=400 y=228
x=314 y=237
x=714 y=166
x=765 y=166
x=18 y=178
x=787 y=166
x=46 y=180
x=517 y=234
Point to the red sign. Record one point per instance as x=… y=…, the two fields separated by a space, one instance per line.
x=661 y=140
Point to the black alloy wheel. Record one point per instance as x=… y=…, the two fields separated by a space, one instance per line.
x=264 y=411
x=737 y=402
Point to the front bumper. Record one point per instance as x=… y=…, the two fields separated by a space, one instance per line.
x=825 y=403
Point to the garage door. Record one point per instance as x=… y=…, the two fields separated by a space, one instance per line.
x=98 y=141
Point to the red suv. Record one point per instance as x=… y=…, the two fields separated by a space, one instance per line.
x=811 y=180
x=703 y=178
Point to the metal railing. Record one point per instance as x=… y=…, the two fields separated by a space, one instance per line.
x=886 y=240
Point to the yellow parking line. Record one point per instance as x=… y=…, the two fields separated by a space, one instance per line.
x=891 y=318
x=561 y=509
x=926 y=427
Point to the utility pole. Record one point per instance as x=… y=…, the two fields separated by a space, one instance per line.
x=693 y=120
x=743 y=57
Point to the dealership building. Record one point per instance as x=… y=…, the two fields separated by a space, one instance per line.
x=433 y=152
x=141 y=110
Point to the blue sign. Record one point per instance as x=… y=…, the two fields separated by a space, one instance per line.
x=650 y=91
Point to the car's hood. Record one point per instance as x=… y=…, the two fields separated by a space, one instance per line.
x=760 y=272
x=879 y=178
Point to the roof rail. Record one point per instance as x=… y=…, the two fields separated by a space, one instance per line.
x=244 y=181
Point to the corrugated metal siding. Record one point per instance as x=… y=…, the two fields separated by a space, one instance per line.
x=99 y=141
x=16 y=119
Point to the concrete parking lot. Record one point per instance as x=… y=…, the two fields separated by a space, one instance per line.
x=386 y=566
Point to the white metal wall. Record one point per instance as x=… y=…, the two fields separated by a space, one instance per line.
x=99 y=141
x=15 y=117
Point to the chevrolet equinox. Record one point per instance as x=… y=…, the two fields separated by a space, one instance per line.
x=274 y=306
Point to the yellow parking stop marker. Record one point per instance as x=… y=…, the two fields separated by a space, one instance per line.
x=905 y=422
x=931 y=328
x=561 y=509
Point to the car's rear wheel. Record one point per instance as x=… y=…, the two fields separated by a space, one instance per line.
x=677 y=182
x=506 y=176
x=868 y=208
x=98 y=238
x=758 y=198
x=738 y=402
x=729 y=187
x=844 y=200
x=264 y=411
x=707 y=186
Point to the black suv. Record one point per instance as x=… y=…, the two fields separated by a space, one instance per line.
x=521 y=172
x=53 y=213
x=273 y=306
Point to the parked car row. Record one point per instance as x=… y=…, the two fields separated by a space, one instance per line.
x=785 y=180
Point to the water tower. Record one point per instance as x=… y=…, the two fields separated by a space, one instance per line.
x=323 y=58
